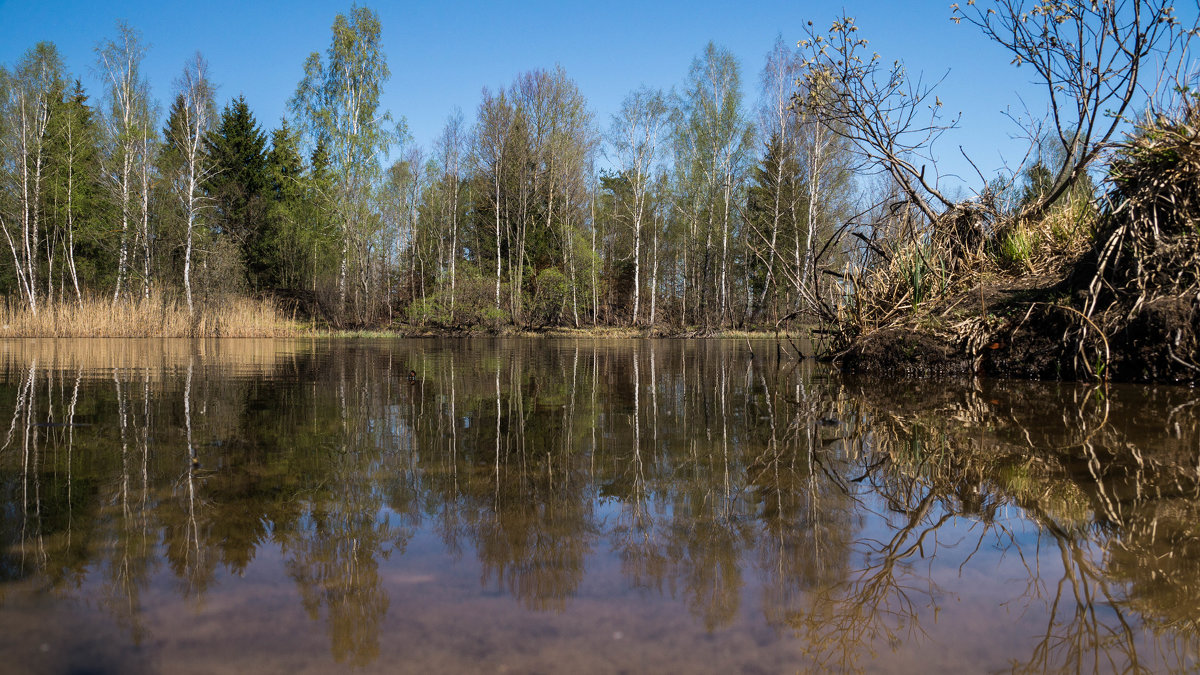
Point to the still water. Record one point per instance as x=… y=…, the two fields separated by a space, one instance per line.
x=581 y=506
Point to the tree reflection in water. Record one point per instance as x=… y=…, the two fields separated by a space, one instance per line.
x=843 y=513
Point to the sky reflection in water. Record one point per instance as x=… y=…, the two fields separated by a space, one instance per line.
x=247 y=506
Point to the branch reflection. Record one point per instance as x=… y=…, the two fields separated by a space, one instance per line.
x=844 y=513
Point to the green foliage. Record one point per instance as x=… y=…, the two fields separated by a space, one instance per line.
x=917 y=274
x=238 y=190
x=1016 y=246
x=551 y=291
x=473 y=303
x=317 y=217
x=337 y=106
x=922 y=270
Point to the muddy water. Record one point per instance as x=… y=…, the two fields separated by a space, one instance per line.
x=581 y=506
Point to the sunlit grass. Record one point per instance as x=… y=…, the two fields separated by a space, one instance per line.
x=156 y=316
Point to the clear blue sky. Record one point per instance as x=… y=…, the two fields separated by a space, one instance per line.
x=442 y=53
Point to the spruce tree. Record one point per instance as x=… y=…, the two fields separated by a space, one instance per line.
x=237 y=187
x=285 y=194
x=75 y=198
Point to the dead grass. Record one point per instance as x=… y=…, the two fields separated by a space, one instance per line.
x=1125 y=267
x=1149 y=249
x=158 y=316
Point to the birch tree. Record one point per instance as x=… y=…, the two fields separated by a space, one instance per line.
x=492 y=132
x=569 y=143
x=635 y=139
x=451 y=147
x=27 y=98
x=126 y=121
x=191 y=121
x=778 y=125
x=338 y=101
x=712 y=114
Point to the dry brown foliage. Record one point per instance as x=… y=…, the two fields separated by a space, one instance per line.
x=1150 y=249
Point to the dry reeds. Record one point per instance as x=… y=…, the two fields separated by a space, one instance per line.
x=1152 y=247
x=1146 y=283
x=919 y=266
x=156 y=316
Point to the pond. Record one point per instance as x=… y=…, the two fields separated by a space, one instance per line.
x=548 y=505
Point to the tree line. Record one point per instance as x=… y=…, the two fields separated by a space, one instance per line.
x=686 y=208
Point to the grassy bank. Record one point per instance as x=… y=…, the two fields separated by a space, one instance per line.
x=1099 y=287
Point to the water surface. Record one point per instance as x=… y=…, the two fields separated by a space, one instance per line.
x=581 y=506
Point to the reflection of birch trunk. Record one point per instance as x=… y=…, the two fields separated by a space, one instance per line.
x=639 y=480
x=122 y=418
x=28 y=458
x=145 y=450
x=774 y=454
x=595 y=377
x=193 y=531
x=123 y=570
x=813 y=494
x=637 y=427
x=70 y=453
x=654 y=401
x=497 y=433
x=571 y=406
x=453 y=430
x=725 y=503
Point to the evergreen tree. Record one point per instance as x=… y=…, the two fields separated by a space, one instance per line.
x=167 y=209
x=775 y=189
x=75 y=199
x=283 y=235
x=237 y=187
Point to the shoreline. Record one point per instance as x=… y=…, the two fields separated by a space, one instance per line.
x=1024 y=349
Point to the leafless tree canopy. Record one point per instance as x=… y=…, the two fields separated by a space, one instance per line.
x=1091 y=59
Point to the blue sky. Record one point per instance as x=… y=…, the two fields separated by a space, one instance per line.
x=442 y=53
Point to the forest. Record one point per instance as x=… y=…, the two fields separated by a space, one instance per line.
x=817 y=207
x=528 y=211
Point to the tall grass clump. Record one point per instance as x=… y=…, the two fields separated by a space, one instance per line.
x=1151 y=232
x=909 y=269
x=1145 y=273
x=160 y=315
x=1050 y=242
